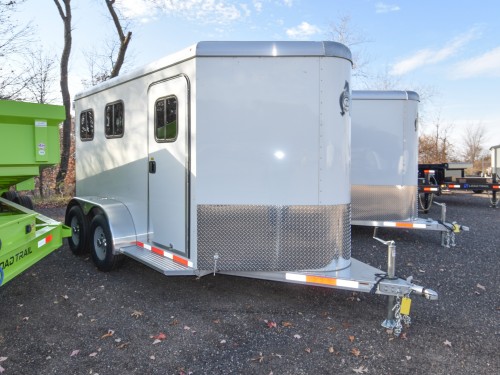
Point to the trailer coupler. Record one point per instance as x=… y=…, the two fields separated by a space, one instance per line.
x=429 y=294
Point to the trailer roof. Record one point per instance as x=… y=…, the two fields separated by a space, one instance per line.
x=231 y=49
x=385 y=95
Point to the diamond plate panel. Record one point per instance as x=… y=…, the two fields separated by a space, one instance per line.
x=272 y=238
x=375 y=203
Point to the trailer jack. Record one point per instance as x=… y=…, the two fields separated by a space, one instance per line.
x=398 y=307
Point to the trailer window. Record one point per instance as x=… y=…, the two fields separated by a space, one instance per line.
x=166 y=119
x=114 y=125
x=87 y=125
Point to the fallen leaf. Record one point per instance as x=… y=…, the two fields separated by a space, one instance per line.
x=123 y=346
x=216 y=321
x=346 y=324
x=3 y=359
x=307 y=350
x=360 y=370
x=286 y=324
x=1 y=369
x=26 y=318
x=297 y=336
x=333 y=329
x=174 y=322
x=222 y=341
x=159 y=338
x=74 y=352
x=447 y=343
x=108 y=334
x=482 y=287
x=408 y=357
x=93 y=354
x=271 y=324
x=187 y=328
x=403 y=336
x=259 y=358
x=118 y=340
x=355 y=352
x=152 y=357
x=137 y=314
x=351 y=338
x=331 y=350
x=79 y=315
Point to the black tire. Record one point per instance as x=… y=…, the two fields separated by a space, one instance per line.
x=477 y=191
x=77 y=221
x=9 y=195
x=24 y=201
x=101 y=245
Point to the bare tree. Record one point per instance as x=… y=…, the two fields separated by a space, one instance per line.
x=343 y=32
x=124 y=39
x=108 y=64
x=473 y=142
x=437 y=146
x=14 y=40
x=41 y=69
x=65 y=14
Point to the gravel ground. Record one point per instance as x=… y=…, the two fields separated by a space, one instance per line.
x=63 y=316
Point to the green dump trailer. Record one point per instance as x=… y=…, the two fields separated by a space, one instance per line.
x=29 y=139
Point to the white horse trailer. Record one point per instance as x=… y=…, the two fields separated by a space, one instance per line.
x=384 y=169
x=227 y=157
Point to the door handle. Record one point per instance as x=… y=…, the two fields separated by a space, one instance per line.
x=152 y=166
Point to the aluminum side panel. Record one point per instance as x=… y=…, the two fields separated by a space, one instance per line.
x=375 y=203
x=273 y=238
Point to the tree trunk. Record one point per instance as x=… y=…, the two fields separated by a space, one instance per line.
x=124 y=40
x=66 y=138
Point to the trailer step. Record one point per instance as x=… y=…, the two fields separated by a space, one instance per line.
x=159 y=263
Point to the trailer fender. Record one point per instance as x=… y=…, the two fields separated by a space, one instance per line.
x=120 y=220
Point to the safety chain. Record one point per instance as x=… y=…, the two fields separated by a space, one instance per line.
x=450 y=240
x=398 y=317
x=422 y=205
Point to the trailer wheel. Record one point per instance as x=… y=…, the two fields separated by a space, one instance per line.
x=9 y=195
x=101 y=244
x=24 y=201
x=77 y=221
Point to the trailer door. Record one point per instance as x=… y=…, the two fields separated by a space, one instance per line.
x=168 y=157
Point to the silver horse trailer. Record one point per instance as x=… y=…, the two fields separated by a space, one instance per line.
x=384 y=167
x=227 y=157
